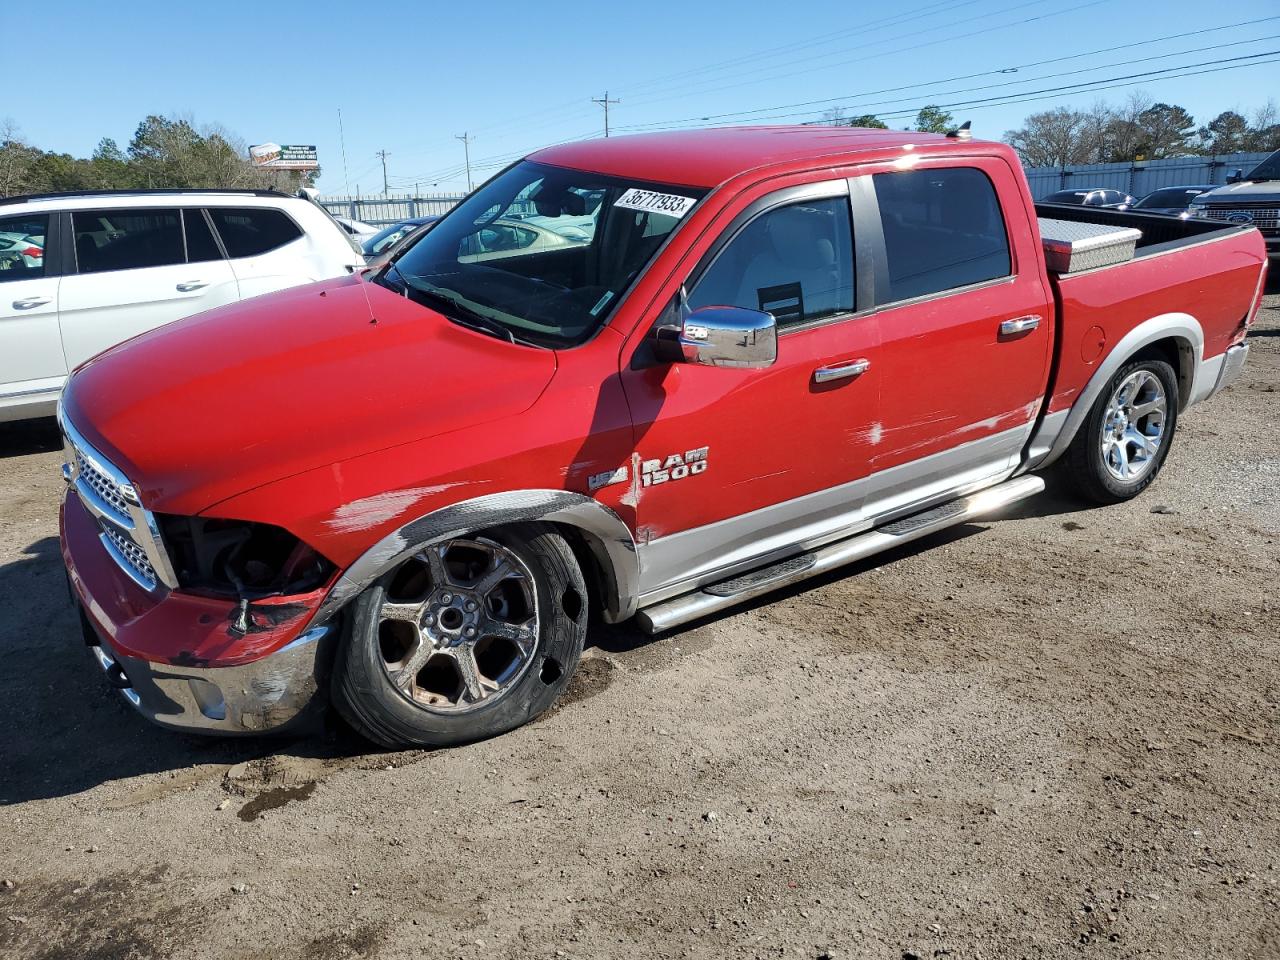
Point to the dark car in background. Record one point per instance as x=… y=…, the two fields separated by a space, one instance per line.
x=388 y=237
x=1172 y=201
x=1254 y=199
x=1090 y=197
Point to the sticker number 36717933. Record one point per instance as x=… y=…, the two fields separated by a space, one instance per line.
x=672 y=204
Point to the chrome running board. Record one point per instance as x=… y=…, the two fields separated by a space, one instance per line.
x=717 y=596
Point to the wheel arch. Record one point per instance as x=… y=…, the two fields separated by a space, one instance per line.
x=1177 y=338
x=596 y=528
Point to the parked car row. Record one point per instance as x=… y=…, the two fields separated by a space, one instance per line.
x=1252 y=198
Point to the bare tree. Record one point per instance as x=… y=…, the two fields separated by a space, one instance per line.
x=1053 y=138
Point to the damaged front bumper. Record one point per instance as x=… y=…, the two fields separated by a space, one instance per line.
x=179 y=659
x=277 y=693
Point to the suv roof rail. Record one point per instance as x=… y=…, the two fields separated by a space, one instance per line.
x=159 y=191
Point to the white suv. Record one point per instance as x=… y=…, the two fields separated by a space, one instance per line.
x=82 y=272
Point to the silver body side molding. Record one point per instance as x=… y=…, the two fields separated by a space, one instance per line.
x=1197 y=378
x=608 y=537
x=684 y=561
x=691 y=606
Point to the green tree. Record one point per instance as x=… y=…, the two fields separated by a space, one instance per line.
x=870 y=121
x=933 y=119
x=1168 y=130
x=1225 y=133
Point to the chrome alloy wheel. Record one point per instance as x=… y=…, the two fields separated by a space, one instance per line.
x=458 y=625
x=1133 y=426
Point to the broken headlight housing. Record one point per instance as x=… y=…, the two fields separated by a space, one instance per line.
x=239 y=559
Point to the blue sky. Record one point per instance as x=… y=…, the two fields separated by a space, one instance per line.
x=409 y=77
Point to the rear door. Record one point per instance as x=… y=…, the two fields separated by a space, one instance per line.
x=965 y=325
x=268 y=250
x=138 y=268
x=31 y=360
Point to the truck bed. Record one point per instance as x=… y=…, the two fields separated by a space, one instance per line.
x=1204 y=269
x=1160 y=233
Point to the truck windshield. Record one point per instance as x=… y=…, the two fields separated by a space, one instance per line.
x=1268 y=169
x=540 y=254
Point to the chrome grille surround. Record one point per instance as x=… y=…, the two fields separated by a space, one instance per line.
x=128 y=531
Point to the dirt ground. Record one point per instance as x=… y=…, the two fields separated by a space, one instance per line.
x=1052 y=734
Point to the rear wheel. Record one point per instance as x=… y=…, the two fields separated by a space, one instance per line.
x=466 y=639
x=1123 y=443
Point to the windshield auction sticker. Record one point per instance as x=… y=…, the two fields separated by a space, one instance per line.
x=671 y=204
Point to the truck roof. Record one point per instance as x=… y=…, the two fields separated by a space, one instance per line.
x=707 y=158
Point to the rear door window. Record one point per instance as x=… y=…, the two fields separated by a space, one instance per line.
x=127 y=239
x=22 y=241
x=251 y=231
x=943 y=229
x=794 y=261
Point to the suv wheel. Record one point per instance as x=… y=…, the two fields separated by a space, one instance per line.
x=1123 y=443
x=466 y=639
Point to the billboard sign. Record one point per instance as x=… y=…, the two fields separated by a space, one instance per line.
x=273 y=156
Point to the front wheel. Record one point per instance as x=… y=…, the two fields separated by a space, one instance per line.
x=1124 y=441
x=466 y=639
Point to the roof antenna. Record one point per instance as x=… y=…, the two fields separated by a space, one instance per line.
x=961 y=132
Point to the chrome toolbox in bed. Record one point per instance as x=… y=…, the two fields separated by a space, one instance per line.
x=1070 y=246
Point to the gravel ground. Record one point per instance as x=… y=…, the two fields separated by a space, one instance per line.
x=1053 y=734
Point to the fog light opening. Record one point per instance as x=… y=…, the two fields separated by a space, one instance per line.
x=208 y=698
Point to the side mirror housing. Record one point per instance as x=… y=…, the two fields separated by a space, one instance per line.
x=721 y=337
x=1235 y=176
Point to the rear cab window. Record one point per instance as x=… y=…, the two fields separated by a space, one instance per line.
x=943 y=229
x=253 y=231
x=22 y=243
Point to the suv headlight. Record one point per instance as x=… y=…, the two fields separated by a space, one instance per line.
x=239 y=559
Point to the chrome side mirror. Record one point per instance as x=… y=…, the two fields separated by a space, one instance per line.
x=721 y=337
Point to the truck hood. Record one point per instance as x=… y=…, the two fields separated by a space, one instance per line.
x=1244 y=190
x=225 y=401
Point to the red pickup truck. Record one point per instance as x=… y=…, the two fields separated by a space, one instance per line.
x=643 y=377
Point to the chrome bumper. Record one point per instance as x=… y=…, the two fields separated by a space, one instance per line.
x=1232 y=363
x=280 y=692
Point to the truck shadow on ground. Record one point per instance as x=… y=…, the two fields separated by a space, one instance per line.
x=66 y=731
x=29 y=436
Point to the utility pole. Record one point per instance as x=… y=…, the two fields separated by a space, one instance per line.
x=604 y=102
x=466 y=139
x=342 y=138
x=382 y=154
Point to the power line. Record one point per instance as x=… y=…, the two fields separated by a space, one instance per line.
x=1013 y=68
x=755 y=113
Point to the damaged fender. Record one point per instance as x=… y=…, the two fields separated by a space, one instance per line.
x=610 y=540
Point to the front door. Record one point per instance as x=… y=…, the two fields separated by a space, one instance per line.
x=736 y=465
x=137 y=269
x=30 y=345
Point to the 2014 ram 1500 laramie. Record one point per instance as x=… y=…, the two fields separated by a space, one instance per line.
x=643 y=377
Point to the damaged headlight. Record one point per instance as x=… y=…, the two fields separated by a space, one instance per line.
x=241 y=560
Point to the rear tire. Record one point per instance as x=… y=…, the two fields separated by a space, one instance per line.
x=1123 y=443
x=466 y=639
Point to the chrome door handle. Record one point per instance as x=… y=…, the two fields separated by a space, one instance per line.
x=192 y=285
x=1019 y=325
x=840 y=371
x=30 y=302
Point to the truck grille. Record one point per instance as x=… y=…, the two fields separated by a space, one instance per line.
x=1264 y=216
x=103 y=486
x=126 y=529
x=130 y=556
